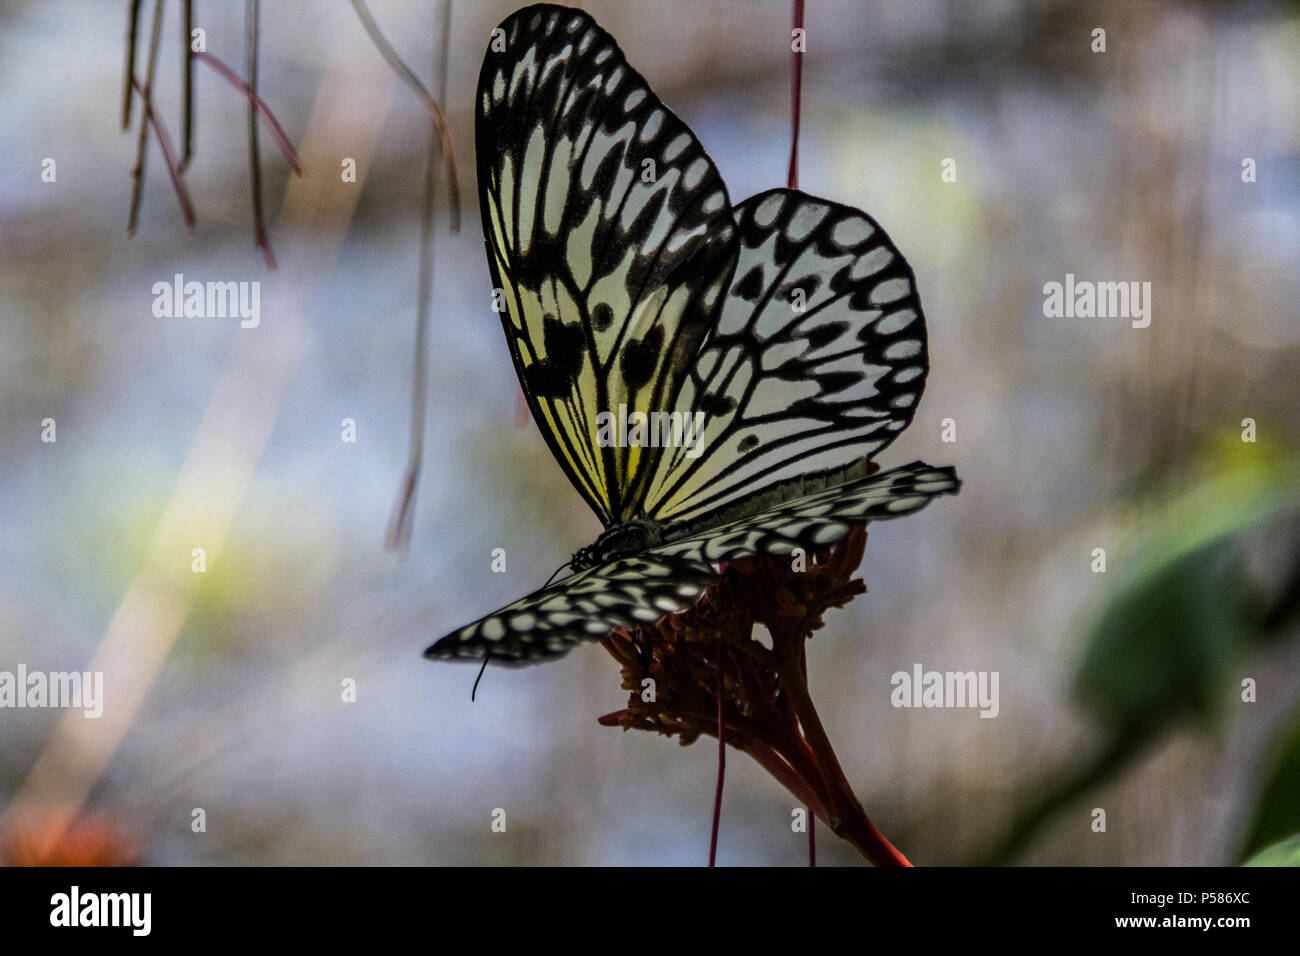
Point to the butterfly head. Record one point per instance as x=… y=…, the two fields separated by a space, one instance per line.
x=626 y=538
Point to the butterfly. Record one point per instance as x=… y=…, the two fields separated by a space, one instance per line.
x=787 y=327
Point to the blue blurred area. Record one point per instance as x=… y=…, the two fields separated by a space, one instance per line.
x=1117 y=166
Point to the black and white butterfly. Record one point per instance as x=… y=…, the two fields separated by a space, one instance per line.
x=629 y=278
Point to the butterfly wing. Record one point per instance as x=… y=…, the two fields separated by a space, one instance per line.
x=625 y=592
x=792 y=325
x=816 y=364
x=819 y=520
x=644 y=588
x=608 y=231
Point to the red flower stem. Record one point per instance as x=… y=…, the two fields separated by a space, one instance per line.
x=785 y=754
x=785 y=774
x=796 y=85
x=848 y=819
x=187 y=82
x=794 y=750
x=722 y=760
x=812 y=820
x=268 y=118
x=791 y=763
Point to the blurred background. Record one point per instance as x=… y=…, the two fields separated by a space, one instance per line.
x=223 y=689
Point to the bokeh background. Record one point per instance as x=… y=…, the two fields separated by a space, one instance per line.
x=181 y=433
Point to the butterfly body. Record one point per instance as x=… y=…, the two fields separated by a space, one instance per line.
x=627 y=537
x=788 y=326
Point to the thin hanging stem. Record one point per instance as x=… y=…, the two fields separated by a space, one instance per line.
x=128 y=72
x=251 y=16
x=399 y=527
x=722 y=759
x=169 y=157
x=407 y=76
x=141 y=151
x=812 y=820
x=268 y=118
x=796 y=87
x=187 y=83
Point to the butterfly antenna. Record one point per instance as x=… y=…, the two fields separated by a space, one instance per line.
x=486 y=657
x=555 y=572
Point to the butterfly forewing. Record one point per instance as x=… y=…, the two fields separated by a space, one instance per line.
x=609 y=232
x=817 y=363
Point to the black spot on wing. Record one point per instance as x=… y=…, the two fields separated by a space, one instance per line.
x=715 y=404
x=805 y=287
x=553 y=376
x=825 y=334
x=640 y=357
x=750 y=287
x=602 y=316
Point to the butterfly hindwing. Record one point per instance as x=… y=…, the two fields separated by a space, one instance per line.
x=817 y=362
x=609 y=233
x=644 y=588
x=819 y=520
x=625 y=592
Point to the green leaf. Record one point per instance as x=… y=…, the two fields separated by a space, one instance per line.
x=1162 y=647
x=1180 y=615
x=1277 y=812
x=1283 y=853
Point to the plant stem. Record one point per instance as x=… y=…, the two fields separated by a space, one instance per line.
x=137 y=187
x=722 y=757
x=268 y=118
x=847 y=818
x=398 y=536
x=407 y=76
x=132 y=35
x=812 y=820
x=796 y=87
x=251 y=16
x=187 y=83
x=169 y=157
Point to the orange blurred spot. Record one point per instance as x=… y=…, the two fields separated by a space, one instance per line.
x=88 y=841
